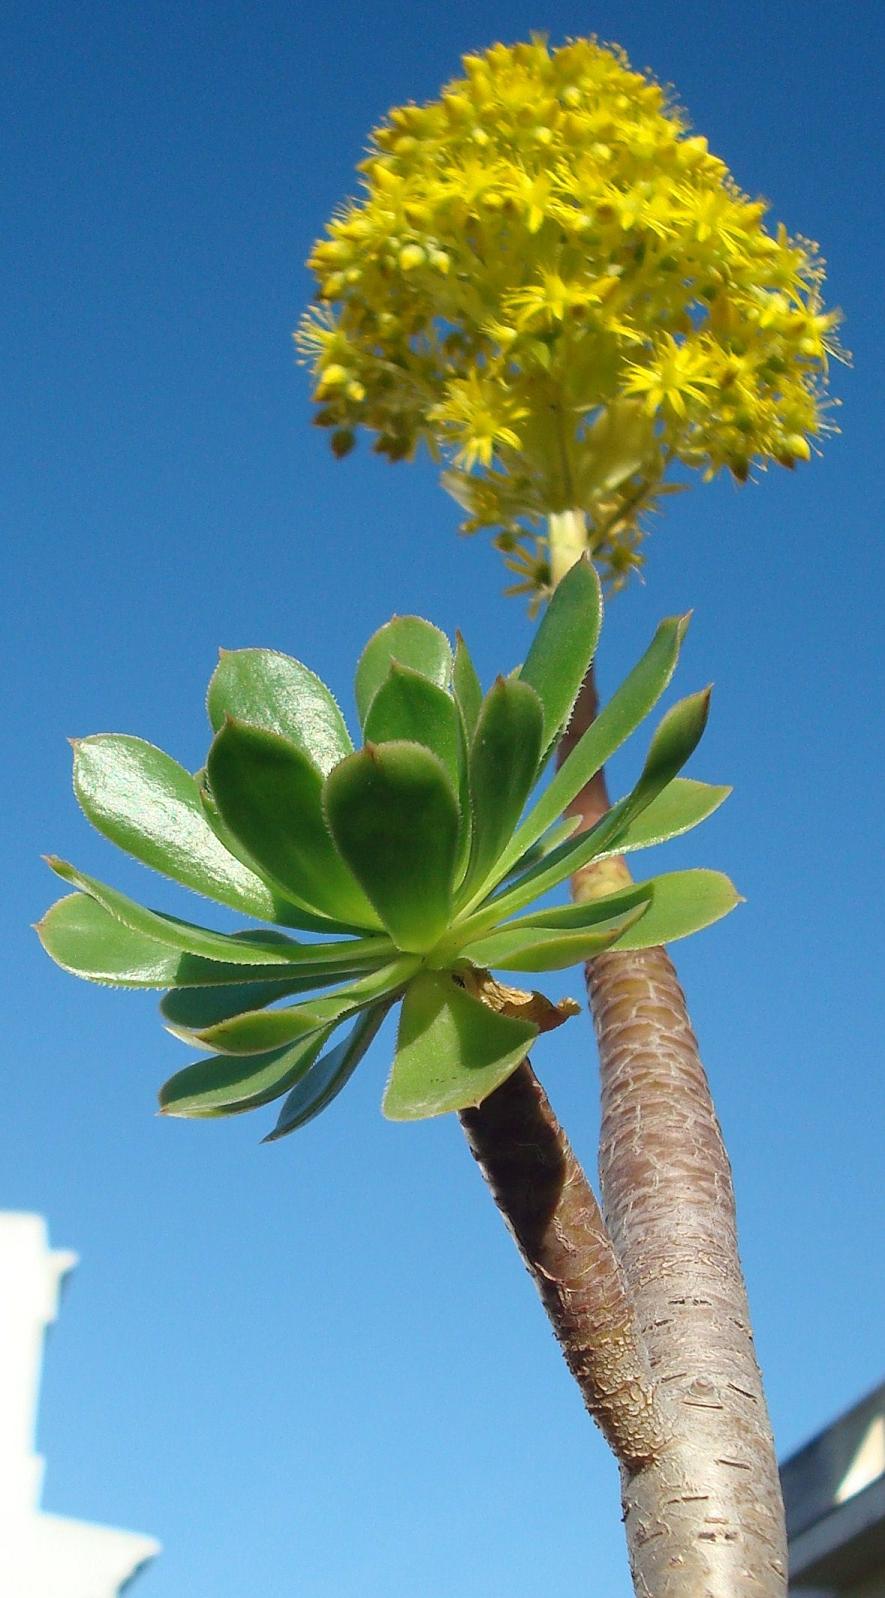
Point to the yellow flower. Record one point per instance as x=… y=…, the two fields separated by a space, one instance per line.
x=675 y=375
x=548 y=280
x=481 y=417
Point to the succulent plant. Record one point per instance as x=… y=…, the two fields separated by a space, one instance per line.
x=417 y=861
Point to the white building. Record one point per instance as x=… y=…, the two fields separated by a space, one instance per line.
x=41 y=1555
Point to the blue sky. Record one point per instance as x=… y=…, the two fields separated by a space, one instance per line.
x=318 y=1368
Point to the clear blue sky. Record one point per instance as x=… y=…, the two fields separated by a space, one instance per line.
x=318 y=1368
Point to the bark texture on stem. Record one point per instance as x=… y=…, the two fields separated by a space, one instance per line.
x=552 y=1213
x=666 y=1183
x=706 y=1520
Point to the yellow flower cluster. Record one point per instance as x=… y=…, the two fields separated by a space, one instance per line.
x=552 y=284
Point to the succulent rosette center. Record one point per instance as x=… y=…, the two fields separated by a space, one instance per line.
x=415 y=862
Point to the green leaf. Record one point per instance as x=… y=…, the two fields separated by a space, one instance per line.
x=452 y=1051
x=296 y=914
x=84 y=938
x=410 y=641
x=503 y=761
x=683 y=902
x=190 y=1009
x=273 y=691
x=614 y=724
x=394 y=819
x=583 y=915
x=552 y=838
x=564 y=646
x=329 y=1075
x=468 y=698
x=683 y=804
x=411 y=708
x=254 y=1032
x=147 y=804
x=675 y=739
x=467 y=686
x=231 y=948
x=668 y=907
x=222 y=1086
x=536 y=948
x=269 y=794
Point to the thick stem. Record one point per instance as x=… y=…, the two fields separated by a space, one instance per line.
x=713 y=1504
x=706 y=1520
x=552 y=1214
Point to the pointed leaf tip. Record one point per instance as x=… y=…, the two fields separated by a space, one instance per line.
x=615 y=722
x=409 y=708
x=257 y=1031
x=218 y=1086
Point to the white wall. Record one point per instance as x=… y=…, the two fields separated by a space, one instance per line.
x=41 y=1555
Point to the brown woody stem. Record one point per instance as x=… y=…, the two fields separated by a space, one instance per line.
x=706 y=1521
x=552 y=1213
